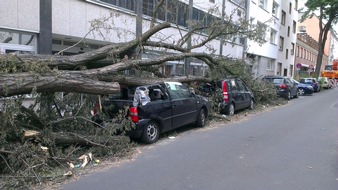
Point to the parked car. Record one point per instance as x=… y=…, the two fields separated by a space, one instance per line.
x=304 y=89
x=324 y=82
x=233 y=95
x=311 y=81
x=159 y=108
x=285 y=86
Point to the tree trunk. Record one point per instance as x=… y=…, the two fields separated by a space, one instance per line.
x=65 y=139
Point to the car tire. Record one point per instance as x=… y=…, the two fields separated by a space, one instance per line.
x=201 y=120
x=301 y=91
x=251 y=107
x=288 y=96
x=297 y=94
x=231 y=110
x=151 y=132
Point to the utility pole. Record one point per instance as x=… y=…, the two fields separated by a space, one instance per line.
x=45 y=34
x=139 y=14
x=222 y=39
x=187 y=60
x=139 y=18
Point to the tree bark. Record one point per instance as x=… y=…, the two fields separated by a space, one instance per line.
x=75 y=139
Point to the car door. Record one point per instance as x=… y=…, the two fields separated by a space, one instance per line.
x=159 y=107
x=236 y=94
x=292 y=86
x=244 y=94
x=184 y=104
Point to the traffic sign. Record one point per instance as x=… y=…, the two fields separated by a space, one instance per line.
x=299 y=65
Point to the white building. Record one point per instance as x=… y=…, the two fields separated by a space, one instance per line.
x=48 y=26
x=276 y=57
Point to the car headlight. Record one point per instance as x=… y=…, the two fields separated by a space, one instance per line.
x=310 y=87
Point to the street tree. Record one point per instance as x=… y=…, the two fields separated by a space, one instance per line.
x=326 y=11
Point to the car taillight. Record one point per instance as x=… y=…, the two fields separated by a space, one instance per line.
x=133 y=114
x=283 y=86
x=225 y=92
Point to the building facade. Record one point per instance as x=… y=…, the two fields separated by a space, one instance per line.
x=310 y=26
x=71 y=27
x=276 y=56
x=306 y=55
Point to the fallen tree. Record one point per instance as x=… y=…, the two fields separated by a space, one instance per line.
x=65 y=89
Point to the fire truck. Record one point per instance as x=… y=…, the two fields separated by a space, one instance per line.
x=331 y=72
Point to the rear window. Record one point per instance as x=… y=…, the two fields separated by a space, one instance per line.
x=278 y=81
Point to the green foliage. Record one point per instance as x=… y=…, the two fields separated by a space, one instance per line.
x=327 y=9
x=12 y=64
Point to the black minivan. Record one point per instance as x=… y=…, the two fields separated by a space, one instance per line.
x=233 y=95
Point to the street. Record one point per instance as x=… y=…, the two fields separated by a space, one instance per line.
x=293 y=147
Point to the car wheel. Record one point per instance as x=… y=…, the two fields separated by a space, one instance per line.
x=201 y=120
x=231 y=110
x=251 y=107
x=301 y=91
x=297 y=94
x=150 y=133
x=288 y=97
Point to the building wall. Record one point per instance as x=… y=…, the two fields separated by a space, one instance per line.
x=288 y=31
x=20 y=14
x=276 y=60
x=267 y=53
x=19 y=25
x=75 y=18
x=306 y=55
x=312 y=29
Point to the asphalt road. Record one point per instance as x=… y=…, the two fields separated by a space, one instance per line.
x=294 y=147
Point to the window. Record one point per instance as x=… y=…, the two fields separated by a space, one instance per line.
x=262 y=28
x=296 y=5
x=172 y=11
x=302 y=29
x=262 y=4
x=270 y=65
x=239 y=13
x=156 y=94
x=233 y=84
x=294 y=27
x=288 y=31
x=275 y=9
x=212 y=1
x=283 y=18
x=148 y=7
x=287 y=54
x=241 y=86
x=182 y=14
x=290 y=8
x=273 y=36
x=127 y=4
x=241 y=3
x=177 y=90
x=281 y=43
x=292 y=51
x=297 y=51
